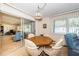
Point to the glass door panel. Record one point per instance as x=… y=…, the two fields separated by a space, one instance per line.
x=28 y=27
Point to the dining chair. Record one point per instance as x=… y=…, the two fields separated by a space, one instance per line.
x=54 y=50
x=31 y=48
x=30 y=35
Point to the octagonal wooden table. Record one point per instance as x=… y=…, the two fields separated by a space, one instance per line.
x=41 y=40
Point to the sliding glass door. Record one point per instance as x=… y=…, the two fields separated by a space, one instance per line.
x=29 y=26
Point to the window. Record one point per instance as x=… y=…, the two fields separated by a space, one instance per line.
x=60 y=26
x=72 y=25
x=28 y=28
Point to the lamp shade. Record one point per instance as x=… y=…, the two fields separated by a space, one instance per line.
x=38 y=16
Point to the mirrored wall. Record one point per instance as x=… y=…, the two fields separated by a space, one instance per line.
x=13 y=31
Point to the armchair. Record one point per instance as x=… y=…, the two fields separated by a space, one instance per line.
x=30 y=35
x=17 y=36
x=55 y=50
x=31 y=48
x=72 y=42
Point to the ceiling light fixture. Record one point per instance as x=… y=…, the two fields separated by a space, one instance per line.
x=38 y=15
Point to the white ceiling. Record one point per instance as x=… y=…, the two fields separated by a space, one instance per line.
x=50 y=9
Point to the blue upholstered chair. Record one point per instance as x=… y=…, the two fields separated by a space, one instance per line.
x=72 y=42
x=17 y=36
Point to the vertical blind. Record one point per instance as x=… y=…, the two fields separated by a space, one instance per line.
x=67 y=23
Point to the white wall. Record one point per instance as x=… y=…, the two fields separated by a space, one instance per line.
x=40 y=29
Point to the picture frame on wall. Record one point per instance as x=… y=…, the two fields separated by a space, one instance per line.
x=44 y=25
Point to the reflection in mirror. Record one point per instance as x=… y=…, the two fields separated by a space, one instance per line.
x=10 y=34
x=13 y=31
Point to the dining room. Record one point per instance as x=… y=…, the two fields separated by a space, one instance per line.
x=39 y=29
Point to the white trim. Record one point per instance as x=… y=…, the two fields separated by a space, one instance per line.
x=66 y=12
